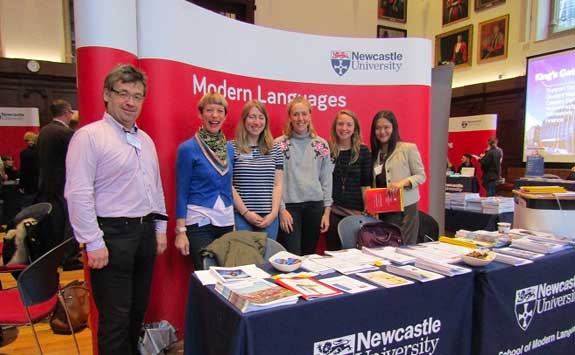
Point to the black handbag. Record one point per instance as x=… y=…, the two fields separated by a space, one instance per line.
x=379 y=234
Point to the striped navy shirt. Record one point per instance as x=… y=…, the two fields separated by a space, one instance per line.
x=254 y=177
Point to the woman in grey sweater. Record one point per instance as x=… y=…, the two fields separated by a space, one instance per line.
x=306 y=202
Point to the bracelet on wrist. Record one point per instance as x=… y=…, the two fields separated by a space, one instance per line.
x=181 y=230
x=245 y=212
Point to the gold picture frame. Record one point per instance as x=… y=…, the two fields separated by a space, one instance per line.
x=455 y=47
x=493 y=39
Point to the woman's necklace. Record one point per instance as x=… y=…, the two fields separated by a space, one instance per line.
x=344 y=168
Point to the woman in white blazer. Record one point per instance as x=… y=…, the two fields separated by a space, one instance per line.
x=396 y=165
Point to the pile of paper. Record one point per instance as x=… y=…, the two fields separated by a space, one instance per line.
x=497 y=205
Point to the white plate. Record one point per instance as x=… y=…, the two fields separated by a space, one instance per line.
x=285 y=267
x=470 y=260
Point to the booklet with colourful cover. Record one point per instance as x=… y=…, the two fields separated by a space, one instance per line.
x=308 y=287
x=385 y=279
x=237 y=273
x=380 y=201
x=257 y=294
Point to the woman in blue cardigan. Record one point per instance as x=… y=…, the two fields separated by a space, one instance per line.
x=204 y=170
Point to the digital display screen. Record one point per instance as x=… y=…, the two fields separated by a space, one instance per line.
x=550 y=107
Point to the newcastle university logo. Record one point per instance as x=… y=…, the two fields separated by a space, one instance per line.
x=525 y=300
x=336 y=346
x=340 y=61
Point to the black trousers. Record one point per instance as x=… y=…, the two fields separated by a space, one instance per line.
x=201 y=237
x=121 y=289
x=306 y=224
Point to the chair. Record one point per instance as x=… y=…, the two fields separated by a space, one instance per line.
x=348 y=228
x=428 y=228
x=37 y=212
x=37 y=293
x=272 y=247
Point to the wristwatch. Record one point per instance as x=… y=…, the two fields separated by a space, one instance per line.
x=181 y=230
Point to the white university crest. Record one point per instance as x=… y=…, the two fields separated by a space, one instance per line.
x=525 y=300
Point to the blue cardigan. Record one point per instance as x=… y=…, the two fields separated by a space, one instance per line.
x=197 y=181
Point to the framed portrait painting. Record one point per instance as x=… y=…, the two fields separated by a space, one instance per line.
x=454 y=47
x=393 y=10
x=390 y=32
x=492 y=40
x=454 y=11
x=485 y=4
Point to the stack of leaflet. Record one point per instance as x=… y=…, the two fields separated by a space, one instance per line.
x=253 y=295
x=441 y=268
x=349 y=261
x=459 y=200
x=539 y=246
x=413 y=272
x=473 y=204
x=497 y=205
x=389 y=253
x=448 y=200
x=485 y=239
x=521 y=233
x=423 y=251
x=310 y=263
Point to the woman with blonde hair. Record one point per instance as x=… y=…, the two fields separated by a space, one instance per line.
x=204 y=170
x=258 y=172
x=306 y=202
x=29 y=169
x=352 y=173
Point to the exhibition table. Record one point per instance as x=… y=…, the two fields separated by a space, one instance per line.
x=472 y=221
x=422 y=318
x=551 y=213
x=528 y=309
x=461 y=184
x=567 y=184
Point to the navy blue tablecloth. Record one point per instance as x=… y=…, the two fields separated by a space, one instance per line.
x=528 y=309
x=458 y=219
x=423 y=318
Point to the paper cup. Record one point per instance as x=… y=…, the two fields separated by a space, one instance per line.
x=503 y=227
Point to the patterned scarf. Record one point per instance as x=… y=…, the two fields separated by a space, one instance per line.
x=215 y=149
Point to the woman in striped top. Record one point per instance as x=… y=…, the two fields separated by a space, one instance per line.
x=258 y=172
x=352 y=173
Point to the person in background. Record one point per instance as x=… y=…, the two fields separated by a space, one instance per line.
x=352 y=173
x=52 y=146
x=397 y=165
x=465 y=162
x=204 y=171
x=459 y=55
x=10 y=171
x=307 y=187
x=258 y=172
x=117 y=209
x=29 y=169
x=571 y=175
x=490 y=162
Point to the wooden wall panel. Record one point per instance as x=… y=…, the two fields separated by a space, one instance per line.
x=22 y=88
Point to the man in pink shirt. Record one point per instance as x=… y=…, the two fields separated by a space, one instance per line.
x=117 y=209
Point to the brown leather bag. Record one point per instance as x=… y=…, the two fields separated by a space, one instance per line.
x=77 y=299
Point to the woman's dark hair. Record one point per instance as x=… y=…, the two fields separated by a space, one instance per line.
x=375 y=144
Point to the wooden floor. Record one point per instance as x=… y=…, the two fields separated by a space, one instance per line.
x=20 y=340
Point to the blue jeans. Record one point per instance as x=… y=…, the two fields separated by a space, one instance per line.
x=243 y=225
x=491 y=188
